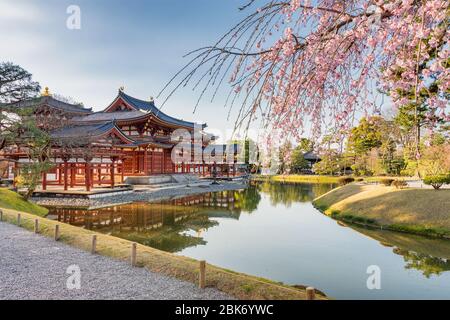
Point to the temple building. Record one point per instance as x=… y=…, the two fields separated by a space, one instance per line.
x=129 y=138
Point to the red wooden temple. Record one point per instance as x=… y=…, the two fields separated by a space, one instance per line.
x=129 y=138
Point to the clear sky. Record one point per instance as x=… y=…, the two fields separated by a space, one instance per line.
x=136 y=44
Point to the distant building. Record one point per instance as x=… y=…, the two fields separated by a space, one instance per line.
x=311 y=158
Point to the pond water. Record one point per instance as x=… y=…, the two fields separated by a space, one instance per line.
x=273 y=231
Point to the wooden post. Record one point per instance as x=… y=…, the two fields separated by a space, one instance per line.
x=36 y=226
x=73 y=174
x=91 y=176
x=66 y=180
x=145 y=161
x=133 y=254
x=202 y=275
x=87 y=176
x=310 y=293
x=59 y=174
x=1 y=215
x=113 y=161
x=99 y=174
x=94 y=244
x=57 y=232
x=153 y=161
x=122 y=178
x=44 y=181
x=16 y=172
x=18 y=219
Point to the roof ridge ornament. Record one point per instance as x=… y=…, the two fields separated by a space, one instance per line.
x=121 y=88
x=46 y=92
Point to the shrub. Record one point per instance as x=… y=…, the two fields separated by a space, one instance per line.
x=345 y=180
x=359 y=179
x=399 y=184
x=437 y=180
x=386 y=181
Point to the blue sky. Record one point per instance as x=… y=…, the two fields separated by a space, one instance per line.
x=136 y=44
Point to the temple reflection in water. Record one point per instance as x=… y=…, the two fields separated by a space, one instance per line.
x=182 y=223
x=168 y=225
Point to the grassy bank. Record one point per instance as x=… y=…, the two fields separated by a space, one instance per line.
x=294 y=178
x=417 y=211
x=379 y=178
x=12 y=200
x=239 y=285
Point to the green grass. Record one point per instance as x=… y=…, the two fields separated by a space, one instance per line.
x=420 y=230
x=297 y=178
x=14 y=201
x=417 y=211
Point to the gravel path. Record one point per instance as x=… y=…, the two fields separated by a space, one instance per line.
x=35 y=267
x=420 y=184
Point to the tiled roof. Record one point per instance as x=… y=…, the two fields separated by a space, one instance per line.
x=109 y=116
x=311 y=156
x=150 y=107
x=146 y=143
x=86 y=131
x=52 y=102
x=83 y=131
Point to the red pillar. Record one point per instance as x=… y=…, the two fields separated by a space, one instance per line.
x=87 y=176
x=73 y=169
x=66 y=181
x=153 y=161
x=44 y=181
x=113 y=161
x=146 y=161
x=59 y=174
x=91 y=177
x=122 y=170
x=99 y=173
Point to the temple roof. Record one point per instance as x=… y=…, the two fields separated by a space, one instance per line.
x=311 y=156
x=85 y=131
x=109 y=116
x=51 y=102
x=138 y=110
x=149 y=107
x=145 y=143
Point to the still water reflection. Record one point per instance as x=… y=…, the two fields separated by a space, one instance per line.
x=272 y=230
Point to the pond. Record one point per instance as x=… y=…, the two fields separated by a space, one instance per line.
x=273 y=231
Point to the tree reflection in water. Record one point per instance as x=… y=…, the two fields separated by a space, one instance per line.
x=427 y=255
x=425 y=263
x=178 y=224
x=290 y=193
